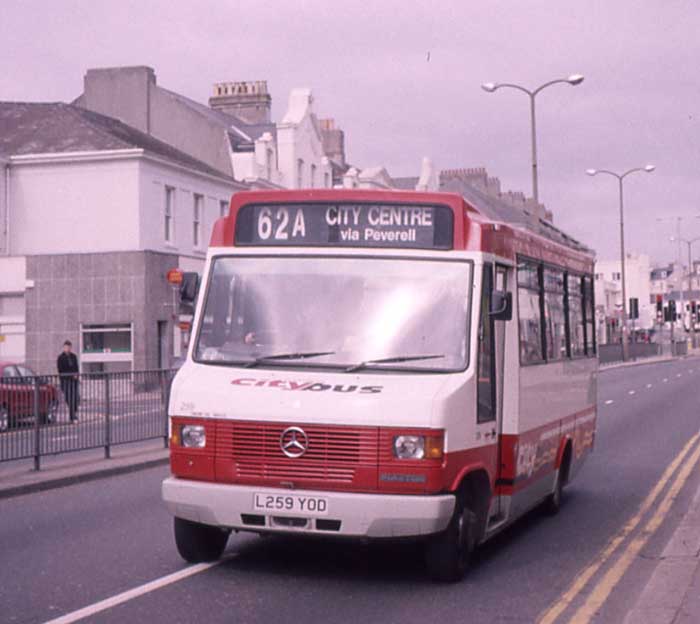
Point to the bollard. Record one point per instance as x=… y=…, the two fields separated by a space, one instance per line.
x=108 y=418
x=37 y=430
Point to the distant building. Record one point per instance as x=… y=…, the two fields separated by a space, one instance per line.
x=234 y=134
x=608 y=277
x=94 y=213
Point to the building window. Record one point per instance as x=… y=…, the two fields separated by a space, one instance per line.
x=268 y=164
x=300 y=173
x=326 y=180
x=616 y=277
x=223 y=208
x=169 y=232
x=313 y=176
x=106 y=347
x=197 y=220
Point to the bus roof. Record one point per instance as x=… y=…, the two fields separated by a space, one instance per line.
x=478 y=222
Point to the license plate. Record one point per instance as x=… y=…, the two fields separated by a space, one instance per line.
x=291 y=503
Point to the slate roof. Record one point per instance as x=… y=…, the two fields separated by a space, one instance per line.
x=406 y=184
x=240 y=133
x=56 y=127
x=498 y=210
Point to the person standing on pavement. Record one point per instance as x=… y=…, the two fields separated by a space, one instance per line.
x=67 y=364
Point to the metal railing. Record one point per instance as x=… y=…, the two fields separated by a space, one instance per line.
x=52 y=414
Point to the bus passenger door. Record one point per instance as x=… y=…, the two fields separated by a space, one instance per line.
x=490 y=367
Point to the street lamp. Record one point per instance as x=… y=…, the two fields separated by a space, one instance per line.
x=490 y=87
x=620 y=177
x=690 y=283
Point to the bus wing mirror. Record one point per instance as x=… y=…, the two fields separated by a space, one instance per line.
x=501 y=305
x=189 y=287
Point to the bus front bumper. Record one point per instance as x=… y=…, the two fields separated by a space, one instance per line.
x=348 y=514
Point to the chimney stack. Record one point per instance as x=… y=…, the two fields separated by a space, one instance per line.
x=333 y=141
x=248 y=100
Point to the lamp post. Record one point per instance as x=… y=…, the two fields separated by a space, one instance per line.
x=490 y=87
x=690 y=283
x=620 y=177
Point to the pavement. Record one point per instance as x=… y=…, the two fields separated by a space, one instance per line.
x=650 y=360
x=19 y=477
x=672 y=595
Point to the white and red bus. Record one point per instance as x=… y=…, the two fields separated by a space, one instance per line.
x=380 y=364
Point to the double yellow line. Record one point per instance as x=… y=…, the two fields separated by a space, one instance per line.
x=604 y=587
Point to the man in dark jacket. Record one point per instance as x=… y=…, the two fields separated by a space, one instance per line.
x=67 y=365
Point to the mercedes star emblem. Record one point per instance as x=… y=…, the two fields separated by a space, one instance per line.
x=294 y=442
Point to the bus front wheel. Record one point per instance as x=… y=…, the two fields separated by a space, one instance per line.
x=447 y=554
x=199 y=542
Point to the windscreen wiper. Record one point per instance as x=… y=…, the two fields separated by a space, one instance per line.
x=391 y=360
x=286 y=356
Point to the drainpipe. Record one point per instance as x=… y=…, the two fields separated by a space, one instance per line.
x=6 y=225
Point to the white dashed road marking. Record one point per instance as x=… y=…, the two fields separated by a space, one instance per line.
x=631 y=392
x=609 y=401
x=108 y=603
x=648 y=385
x=665 y=380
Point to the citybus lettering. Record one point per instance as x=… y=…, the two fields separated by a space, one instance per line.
x=308 y=386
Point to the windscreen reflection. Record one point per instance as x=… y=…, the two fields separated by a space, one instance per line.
x=351 y=309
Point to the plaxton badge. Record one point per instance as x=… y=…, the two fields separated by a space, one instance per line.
x=307 y=386
x=350 y=225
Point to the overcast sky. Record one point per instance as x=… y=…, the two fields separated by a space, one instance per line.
x=402 y=79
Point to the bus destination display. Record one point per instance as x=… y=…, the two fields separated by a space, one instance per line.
x=345 y=225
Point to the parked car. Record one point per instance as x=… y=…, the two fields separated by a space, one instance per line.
x=17 y=396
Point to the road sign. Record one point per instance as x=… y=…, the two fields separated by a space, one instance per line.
x=174 y=277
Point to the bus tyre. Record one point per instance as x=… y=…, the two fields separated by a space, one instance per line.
x=199 y=542
x=447 y=554
x=552 y=504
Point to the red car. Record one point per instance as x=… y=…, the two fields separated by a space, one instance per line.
x=17 y=396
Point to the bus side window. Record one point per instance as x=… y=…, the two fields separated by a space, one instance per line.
x=530 y=314
x=485 y=392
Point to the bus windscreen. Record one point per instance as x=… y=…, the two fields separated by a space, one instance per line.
x=412 y=226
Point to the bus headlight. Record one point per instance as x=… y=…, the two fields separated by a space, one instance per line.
x=409 y=446
x=193 y=436
x=419 y=446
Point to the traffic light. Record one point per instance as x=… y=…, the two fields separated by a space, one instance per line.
x=671 y=311
x=634 y=308
x=659 y=304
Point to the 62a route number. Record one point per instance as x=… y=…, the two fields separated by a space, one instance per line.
x=279 y=224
